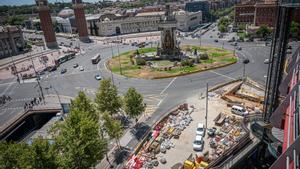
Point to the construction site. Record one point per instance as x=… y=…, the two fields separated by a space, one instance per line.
x=173 y=142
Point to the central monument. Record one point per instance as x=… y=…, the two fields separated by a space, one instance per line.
x=169 y=48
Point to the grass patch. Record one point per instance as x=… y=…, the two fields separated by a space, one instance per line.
x=233 y=59
x=217 y=57
x=146 y=50
x=242 y=35
x=217 y=54
x=208 y=61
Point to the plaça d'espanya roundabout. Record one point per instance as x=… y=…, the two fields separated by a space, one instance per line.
x=169 y=59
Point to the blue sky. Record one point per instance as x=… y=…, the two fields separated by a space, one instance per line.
x=22 y=2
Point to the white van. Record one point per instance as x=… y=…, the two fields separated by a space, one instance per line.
x=239 y=110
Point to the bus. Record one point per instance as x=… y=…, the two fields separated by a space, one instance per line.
x=96 y=59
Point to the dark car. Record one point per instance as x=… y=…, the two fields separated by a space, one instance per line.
x=211 y=131
x=63 y=71
x=75 y=65
x=216 y=40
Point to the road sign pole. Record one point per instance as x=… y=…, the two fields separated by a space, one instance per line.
x=206 y=107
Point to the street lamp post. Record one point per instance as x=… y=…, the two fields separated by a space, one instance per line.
x=37 y=78
x=245 y=61
x=206 y=107
x=200 y=37
x=120 y=65
x=112 y=55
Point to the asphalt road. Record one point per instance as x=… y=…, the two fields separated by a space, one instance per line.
x=160 y=95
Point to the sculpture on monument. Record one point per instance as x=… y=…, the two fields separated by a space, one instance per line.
x=169 y=48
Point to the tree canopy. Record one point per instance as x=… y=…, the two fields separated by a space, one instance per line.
x=78 y=143
x=85 y=105
x=107 y=98
x=263 y=31
x=133 y=103
x=113 y=127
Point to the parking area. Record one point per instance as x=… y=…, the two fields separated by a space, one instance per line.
x=184 y=145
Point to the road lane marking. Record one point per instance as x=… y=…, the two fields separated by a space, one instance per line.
x=168 y=86
x=8 y=83
x=6 y=89
x=223 y=75
x=158 y=104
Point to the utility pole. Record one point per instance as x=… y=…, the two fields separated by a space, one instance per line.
x=206 y=107
x=120 y=66
x=200 y=36
x=112 y=55
x=37 y=79
x=56 y=92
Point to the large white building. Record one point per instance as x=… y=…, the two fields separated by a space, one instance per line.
x=114 y=24
x=187 y=21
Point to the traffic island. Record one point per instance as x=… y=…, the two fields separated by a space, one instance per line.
x=144 y=62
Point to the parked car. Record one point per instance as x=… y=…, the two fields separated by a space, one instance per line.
x=75 y=65
x=216 y=40
x=98 y=77
x=198 y=143
x=234 y=44
x=200 y=129
x=239 y=48
x=211 y=131
x=81 y=68
x=290 y=47
x=238 y=110
x=63 y=71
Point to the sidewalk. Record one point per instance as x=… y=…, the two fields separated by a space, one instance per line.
x=24 y=63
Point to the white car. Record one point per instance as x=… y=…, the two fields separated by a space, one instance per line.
x=198 y=143
x=267 y=61
x=81 y=68
x=200 y=129
x=98 y=77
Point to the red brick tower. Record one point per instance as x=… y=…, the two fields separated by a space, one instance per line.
x=46 y=23
x=80 y=20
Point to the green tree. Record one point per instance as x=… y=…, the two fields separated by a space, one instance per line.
x=263 y=31
x=84 y=104
x=107 y=98
x=242 y=27
x=295 y=29
x=42 y=154
x=15 y=20
x=78 y=141
x=133 y=103
x=113 y=127
x=222 y=28
x=14 y=156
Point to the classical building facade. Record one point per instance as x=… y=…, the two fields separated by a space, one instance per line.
x=114 y=24
x=265 y=14
x=244 y=13
x=256 y=13
x=111 y=24
x=11 y=41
